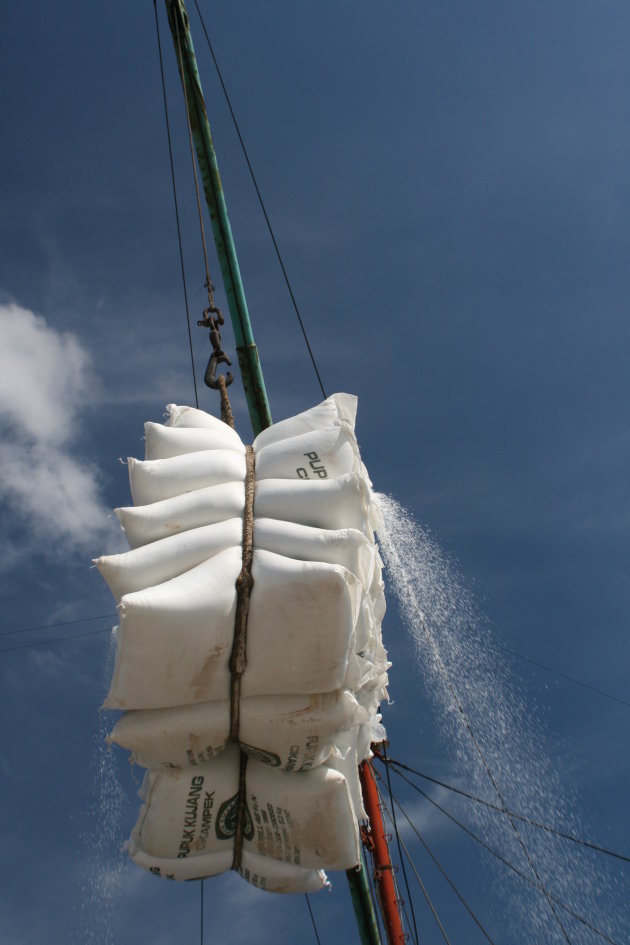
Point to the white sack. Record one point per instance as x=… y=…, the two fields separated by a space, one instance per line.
x=342 y=502
x=321 y=454
x=147 y=523
x=294 y=733
x=165 y=559
x=193 y=417
x=337 y=409
x=274 y=876
x=303 y=819
x=260 y=871
x=153 y=564
x=162 y=442
x=346 y=760
x=197 y=867
x=175 y=639
x=157 y=479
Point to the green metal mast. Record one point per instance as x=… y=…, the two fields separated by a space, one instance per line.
x=246 y=349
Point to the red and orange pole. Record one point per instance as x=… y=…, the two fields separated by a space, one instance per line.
x=375 y=841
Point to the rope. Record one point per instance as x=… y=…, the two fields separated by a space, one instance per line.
x=238 y=657
x=515 y=869
x=526 y=820
x=262 y=205
x=226 y=407
x=244 y=585
x=174 y=188
x=241 y=811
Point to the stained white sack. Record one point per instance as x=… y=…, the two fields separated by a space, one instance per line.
x=304 y=819
x=294 y=733
x=175 y=639
x=345 y=759
x=342 y=502
x=168 y=557
x=279 y=877
x=260 y=871
x=153 y=564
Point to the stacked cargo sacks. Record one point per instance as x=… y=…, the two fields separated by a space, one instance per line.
x=316 y=669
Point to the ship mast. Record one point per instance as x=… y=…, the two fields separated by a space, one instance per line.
x=374 y=839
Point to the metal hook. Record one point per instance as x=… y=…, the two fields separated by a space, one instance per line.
x=210 y=375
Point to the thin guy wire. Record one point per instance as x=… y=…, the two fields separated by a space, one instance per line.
x=403 y=906
x=76 y=636
x=396 y=802
x=262 y=205
x=579 y=682
x=201 y=917
x=491 y=778
x=194 y=167
x=310 y=912
x=557 y=672
x=179 y=230
x=376 y=900
x=498 y=856
x=60 y=623
x=401 y=857
x=399 y=899
x=424 y=892
x=526 y=820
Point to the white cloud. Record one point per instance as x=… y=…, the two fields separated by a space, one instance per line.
x=52 y=494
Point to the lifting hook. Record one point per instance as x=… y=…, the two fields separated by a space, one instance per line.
x=210 y=378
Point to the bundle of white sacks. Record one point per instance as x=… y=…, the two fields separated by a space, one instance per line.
x=316 y=666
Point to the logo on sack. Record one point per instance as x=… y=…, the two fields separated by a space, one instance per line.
x=316 y=465
x=260 y=754
x=227 y=817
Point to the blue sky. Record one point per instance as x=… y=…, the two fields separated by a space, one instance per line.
x=448 y=184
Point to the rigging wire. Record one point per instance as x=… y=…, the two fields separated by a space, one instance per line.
x=486 y=766
x=310 y=912
x=401 y=843
x=425 y=893
x=174 y=188
x=578 y=682
x=208 y=283
x=76 y=636
x=59 y=623
x=376 y=901
x=396 y=803
x=557 y=672
x=502 y=859
x=201 y=917
x=262 y=204
x=527 y=820
x=400 y=856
